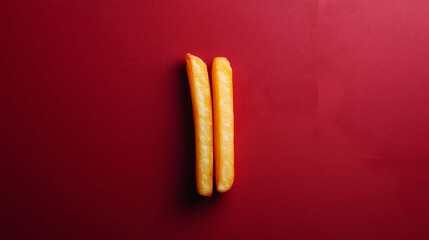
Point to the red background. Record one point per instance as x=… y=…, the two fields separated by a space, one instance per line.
x=331 y=105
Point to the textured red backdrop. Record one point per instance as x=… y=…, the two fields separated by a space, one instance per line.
x=331 y=106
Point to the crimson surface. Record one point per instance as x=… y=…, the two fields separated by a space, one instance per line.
x=331 y=116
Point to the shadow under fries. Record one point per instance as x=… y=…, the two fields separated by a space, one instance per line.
x=188 y=195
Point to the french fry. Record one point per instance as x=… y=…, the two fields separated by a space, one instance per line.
x=203 y=122
x=223 y=123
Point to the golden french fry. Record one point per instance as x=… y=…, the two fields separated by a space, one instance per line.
x=203 y=122
x=223 y=123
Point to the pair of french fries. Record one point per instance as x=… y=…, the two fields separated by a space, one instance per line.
x=223 y=127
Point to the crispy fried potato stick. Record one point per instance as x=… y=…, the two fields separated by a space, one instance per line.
x=223 y=123
x=203 y=122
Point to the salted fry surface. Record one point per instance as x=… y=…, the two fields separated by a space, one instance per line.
x=223 y=123
x=203 y=122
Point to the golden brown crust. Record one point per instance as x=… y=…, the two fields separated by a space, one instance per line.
x=203 y=122
x=223 y=123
